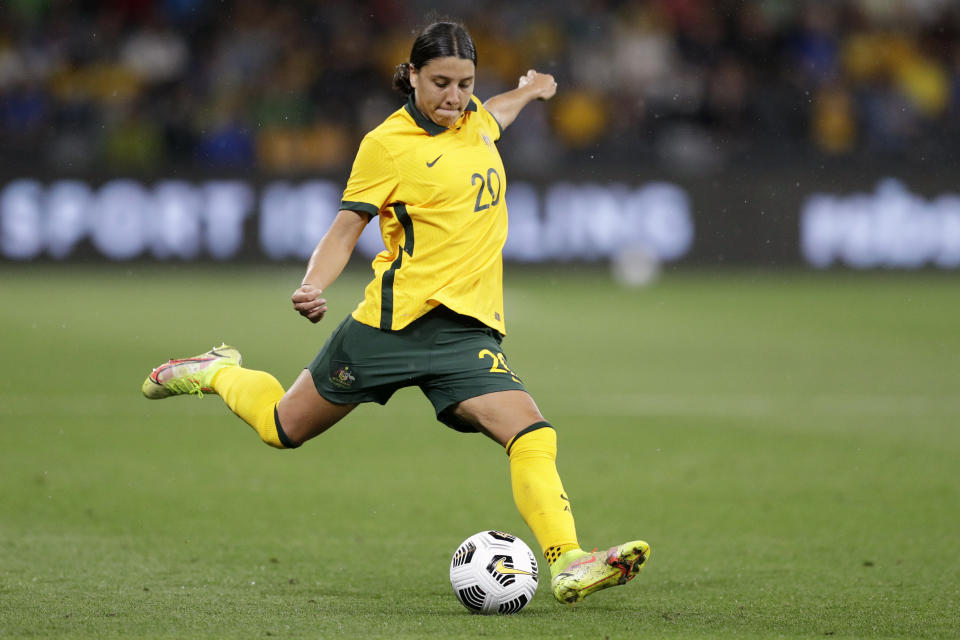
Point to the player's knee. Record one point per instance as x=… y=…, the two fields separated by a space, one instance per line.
x=539 y=438
x=283 y=441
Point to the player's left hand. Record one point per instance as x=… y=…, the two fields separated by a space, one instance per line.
x=543 y=84
x=308 y=303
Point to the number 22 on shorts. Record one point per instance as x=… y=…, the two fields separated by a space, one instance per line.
x=499 y=363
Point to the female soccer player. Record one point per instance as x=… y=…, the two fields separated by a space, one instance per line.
x=433 y=314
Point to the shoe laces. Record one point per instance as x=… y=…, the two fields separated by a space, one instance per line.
x=186 y=385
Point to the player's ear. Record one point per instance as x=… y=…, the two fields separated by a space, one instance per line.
x=414 y=77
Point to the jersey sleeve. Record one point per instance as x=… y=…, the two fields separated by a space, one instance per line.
x=373 y=179
x=488 y=118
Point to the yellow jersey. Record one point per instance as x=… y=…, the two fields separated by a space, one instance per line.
x=439 y=195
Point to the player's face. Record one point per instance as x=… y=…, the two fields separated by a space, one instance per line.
x=443 y=88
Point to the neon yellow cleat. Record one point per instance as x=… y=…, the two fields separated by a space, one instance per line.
x=577 y=573
x=189 y=375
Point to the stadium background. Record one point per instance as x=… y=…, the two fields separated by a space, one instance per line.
x=780 y=132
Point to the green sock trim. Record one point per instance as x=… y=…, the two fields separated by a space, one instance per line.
x=287 y=442
x=533 y=427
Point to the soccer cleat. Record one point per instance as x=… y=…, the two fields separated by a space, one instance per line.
x=577 y=573
x=190 y=375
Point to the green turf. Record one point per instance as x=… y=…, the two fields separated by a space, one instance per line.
x=786 y=442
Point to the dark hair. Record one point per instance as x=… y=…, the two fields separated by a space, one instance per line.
x=439 y=40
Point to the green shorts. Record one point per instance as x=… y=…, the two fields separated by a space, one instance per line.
x=451 y=357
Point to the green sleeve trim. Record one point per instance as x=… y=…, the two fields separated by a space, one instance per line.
x=499 y=126
x=365 y=207
x=494 y=118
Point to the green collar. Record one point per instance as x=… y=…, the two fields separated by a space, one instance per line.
x=426 y=123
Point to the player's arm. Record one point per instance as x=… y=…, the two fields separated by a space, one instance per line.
x=327 y=262
x=533 y=86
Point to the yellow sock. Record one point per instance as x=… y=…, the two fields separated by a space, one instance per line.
x=252 y=395
x=538 y=492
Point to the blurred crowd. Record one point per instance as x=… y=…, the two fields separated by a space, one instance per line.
x=291 y=87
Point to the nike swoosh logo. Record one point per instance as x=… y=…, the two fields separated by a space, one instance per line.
x=430 y=164
x=502 y=568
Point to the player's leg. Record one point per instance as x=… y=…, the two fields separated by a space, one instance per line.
x=284 y=420
x=474 y=389
x=513 y=420
x=541 y=499
x=303 y=413
x=281 y=419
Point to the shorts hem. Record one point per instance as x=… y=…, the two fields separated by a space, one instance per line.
x=335 y=396
x=445 y=415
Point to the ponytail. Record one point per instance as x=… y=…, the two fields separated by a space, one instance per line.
x=401 y=79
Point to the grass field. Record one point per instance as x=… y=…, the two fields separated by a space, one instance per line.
x=787 y=442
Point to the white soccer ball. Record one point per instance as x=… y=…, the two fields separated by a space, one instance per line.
x=494 y=572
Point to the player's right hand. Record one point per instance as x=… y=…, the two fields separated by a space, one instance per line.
x=308 y=303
